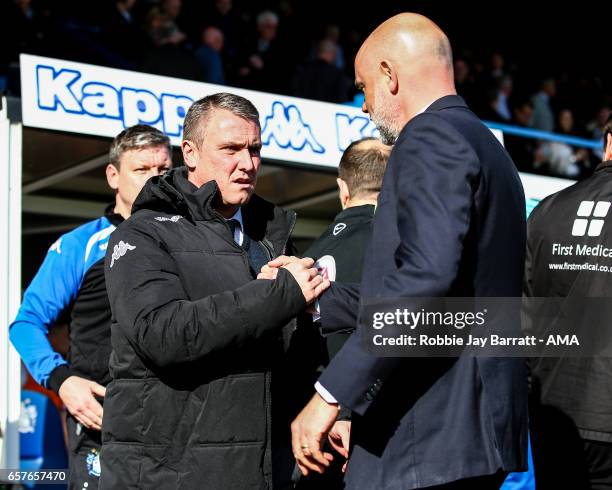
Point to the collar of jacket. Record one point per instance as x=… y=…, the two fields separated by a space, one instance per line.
x=446 y=102
x=115 y=218
x=363 y=211
x=604 y=165
x=173 y=193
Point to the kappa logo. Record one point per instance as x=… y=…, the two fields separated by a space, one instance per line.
x=119 y=251
x=286 y=127
x=585 y=224
x=57 y=246
x=338 y=228
x=174 y=219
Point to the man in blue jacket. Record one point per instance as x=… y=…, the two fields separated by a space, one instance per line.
x=450 y=221
x=71 y=279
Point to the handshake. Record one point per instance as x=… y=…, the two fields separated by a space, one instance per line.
x=312 y=283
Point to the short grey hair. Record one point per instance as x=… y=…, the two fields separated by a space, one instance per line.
x=138 y=137
x=267 y=16
x=200 y=111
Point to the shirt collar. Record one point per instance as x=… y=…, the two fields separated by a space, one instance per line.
x=238 y=217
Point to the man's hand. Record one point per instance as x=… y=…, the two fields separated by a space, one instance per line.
x=270 y=270
x=339 y=437
x=78 y=396
x=311 y=283
x=283 y=260
x=308 y=432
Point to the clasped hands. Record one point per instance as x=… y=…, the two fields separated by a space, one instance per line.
x=302 y=270
x=317 y=421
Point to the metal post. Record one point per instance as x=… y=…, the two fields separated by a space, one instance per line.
x=10 y=284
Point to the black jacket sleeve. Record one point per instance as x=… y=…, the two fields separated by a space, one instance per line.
x=151 y=307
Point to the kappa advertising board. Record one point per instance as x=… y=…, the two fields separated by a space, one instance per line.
x=80 y=98
x=87 y=99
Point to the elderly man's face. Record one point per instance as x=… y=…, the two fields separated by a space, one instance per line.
x=230 y=155
x=377 y=101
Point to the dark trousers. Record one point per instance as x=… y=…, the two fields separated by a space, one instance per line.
x=562 y=458
x=84 y=456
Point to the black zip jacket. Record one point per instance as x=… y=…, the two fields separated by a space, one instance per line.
x=559 y=228
x=194 y=341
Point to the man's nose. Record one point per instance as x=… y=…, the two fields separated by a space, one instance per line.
x=245 y=161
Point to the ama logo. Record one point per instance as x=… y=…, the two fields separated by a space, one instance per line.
x=287 y=129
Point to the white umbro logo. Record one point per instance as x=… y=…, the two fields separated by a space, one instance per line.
x=338 y=228
x=585 y=224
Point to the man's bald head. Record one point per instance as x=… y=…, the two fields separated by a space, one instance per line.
x=403 y=66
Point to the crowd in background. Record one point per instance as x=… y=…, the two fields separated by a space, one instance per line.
x=285 y=47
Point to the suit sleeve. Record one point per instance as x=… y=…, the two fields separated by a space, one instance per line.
x=437 y=173
x=339 y=307
x=52 y=290
x=152 y=309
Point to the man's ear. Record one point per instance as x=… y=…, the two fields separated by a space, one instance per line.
x=112 y=176
x=190 y=152
x=390 y=73
x=345 y=195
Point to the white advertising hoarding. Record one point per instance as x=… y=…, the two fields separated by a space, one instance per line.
x=75 y=97
x=87 y=99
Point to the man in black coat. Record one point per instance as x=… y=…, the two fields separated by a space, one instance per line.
x=571 y=410
x=450 y=222
x=194 y=335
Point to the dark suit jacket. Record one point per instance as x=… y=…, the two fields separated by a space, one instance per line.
x=450 y=222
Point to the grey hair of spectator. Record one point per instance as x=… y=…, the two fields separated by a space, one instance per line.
x=138 y=137
x=197 y=116
x=267 y=16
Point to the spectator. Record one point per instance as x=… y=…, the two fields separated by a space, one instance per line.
x=209 y=55
x=121 y=34
x=464 y=81
x=321 y=79
x=171 y=9
x=226 y=18
x=169 y=56
x=497 y=66
x=543 y=117
x=504 y=91
x=332 y=34
x=563 y=159
x=261 y=68
x=524 y=151
x=595 y=128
